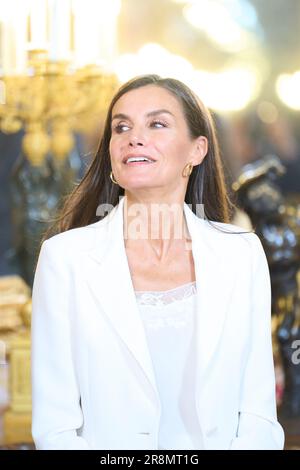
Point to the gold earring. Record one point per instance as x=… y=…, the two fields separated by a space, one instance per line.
x=112 y=178
x=187 y=169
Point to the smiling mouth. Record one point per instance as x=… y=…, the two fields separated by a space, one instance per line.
x=138 y=160
x=141 y=163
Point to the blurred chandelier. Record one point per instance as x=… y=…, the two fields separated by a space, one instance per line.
x=56 y=59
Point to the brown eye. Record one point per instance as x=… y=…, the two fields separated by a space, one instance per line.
x=158 y=124
x=119 y=128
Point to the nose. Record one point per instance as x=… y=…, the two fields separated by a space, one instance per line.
x=136 y=141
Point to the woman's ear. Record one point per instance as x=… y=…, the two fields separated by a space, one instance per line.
x=200 y=150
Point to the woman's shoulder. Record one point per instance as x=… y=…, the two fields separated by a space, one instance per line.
x=234 y=237
x=225 y=228
x=75 y=239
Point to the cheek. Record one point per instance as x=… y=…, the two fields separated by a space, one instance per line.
x=113 y=147
x=173 y=148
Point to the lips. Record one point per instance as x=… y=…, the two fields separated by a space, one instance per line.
x=132 y=156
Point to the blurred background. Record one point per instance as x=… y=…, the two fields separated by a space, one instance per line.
x=60 y=63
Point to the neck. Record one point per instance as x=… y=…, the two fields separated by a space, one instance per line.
x=159 y=221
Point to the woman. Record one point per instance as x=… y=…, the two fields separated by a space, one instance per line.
x=151 y=326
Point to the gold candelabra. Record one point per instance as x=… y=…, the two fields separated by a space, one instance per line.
x=52 y=102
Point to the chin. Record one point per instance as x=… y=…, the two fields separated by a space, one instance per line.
x=137 y=187
x=134 y=185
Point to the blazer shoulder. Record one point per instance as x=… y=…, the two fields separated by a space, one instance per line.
x=76 y=239
x=236 y=239
x=228 y=227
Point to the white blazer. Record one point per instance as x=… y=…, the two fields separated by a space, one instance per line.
x=93 y=381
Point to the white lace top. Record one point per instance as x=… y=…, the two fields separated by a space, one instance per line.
x=169 y=317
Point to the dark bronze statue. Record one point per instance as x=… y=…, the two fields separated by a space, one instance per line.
x=276 y=223
x=36 y=194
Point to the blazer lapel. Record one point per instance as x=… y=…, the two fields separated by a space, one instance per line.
x=109 y=279
x=215 y=273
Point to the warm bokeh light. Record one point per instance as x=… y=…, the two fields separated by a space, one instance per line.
x=226 y=22
x=288 y=89
x=152 y=58
x=215 y=20
x=227 y=90
x=267 y=112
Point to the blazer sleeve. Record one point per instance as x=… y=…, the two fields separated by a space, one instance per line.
x=258 y=426
x=56 y=411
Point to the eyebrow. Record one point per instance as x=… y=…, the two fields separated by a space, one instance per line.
x=150 y=114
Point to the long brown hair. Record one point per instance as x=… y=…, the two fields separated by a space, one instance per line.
x=206 y=185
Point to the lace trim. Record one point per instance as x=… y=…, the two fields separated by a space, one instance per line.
x=166 y=297
x=176 y=320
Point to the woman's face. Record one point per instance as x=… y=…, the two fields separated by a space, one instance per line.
x=149 y=122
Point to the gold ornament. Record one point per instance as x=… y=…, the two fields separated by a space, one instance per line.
x=112 y=178
x=187 y=169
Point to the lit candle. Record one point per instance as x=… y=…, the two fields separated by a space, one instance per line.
x=20 y=36
x=1 y=47
x=108 y=34
x=60 y=29
x=95 y=35
x=6 y=39
x=85 y=35
x=8 y=55
x=13 y=29
x=38 y=23
x=1 y=38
